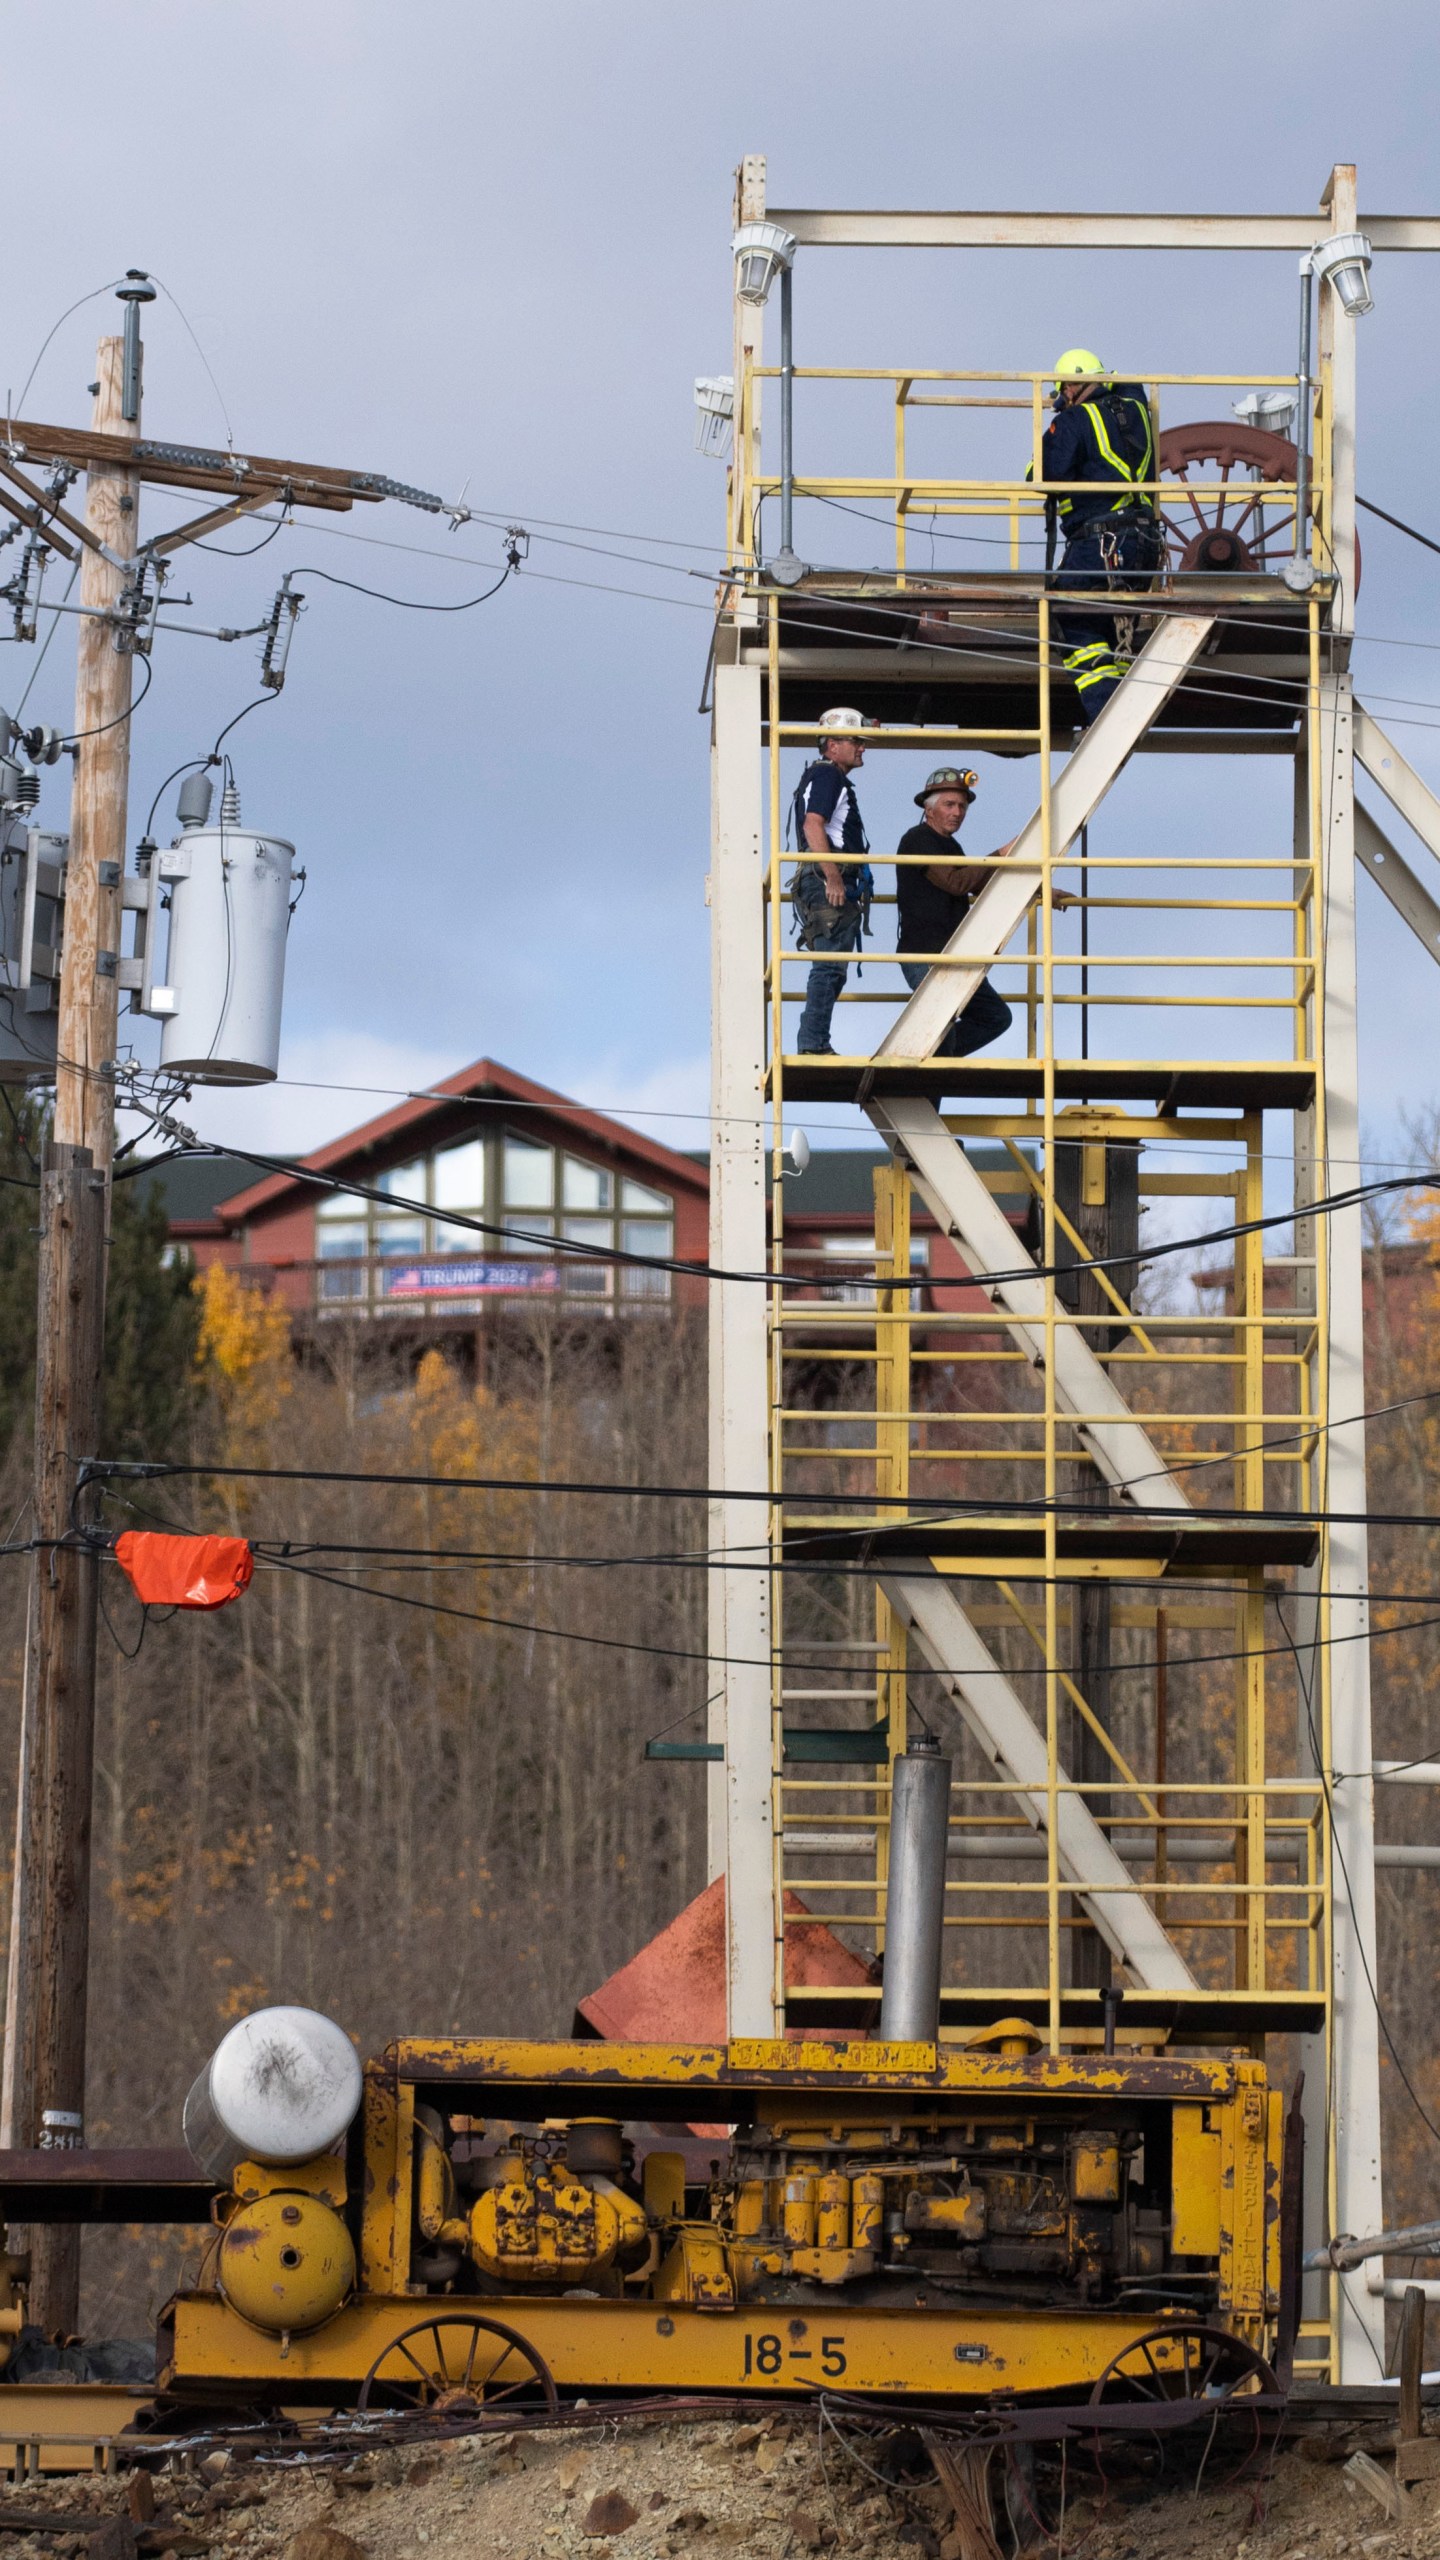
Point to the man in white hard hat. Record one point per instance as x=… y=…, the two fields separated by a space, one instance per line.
x=831 y=889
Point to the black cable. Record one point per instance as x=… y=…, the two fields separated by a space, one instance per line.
x=992 y=541
x=223 y=550
x=735 y=1559
x=120 y=717
x=128 y=1653
x=556 y=1244
x=337 y=1581
x=518 y=1626
x=935 y=1511
x=1384 y=2024
x=285 y=1555
x=189 y=766
x=1386 y=518
x=1015 y=660
x=260 y=699
x=407 y=604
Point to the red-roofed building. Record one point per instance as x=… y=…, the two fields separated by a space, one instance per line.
x=485 y=1145
x=528 y=1165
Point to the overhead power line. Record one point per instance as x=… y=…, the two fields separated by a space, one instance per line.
x=584 y=1252
x=933 y=1511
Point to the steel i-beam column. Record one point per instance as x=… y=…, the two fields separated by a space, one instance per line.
x=1355 y=2037
x=740 y=1828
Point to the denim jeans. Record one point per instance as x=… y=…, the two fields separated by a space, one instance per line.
x=984 y=1018
x=822 y=928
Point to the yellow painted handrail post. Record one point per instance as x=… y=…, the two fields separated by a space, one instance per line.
x=775 y=1366
x=892 y=1468
x=1052 y=1473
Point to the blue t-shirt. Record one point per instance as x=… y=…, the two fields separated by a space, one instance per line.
x=827 y=793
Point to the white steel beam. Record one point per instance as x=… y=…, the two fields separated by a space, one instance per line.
x=1391 y=872
x=1399 y=781
x=1335 y=338
x=826 y=229
x=1355 y=2057
x=740 y=1789
x=1014 y=1745
x=964 y=1210
x=979 y=939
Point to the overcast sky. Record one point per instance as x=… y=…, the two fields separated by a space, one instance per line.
x=487 y=248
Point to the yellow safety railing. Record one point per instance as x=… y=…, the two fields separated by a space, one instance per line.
x=1011 y=499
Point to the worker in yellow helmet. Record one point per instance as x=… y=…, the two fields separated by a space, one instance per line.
x=1102 y=431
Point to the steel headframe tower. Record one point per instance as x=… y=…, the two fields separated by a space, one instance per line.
x=1227 y=1886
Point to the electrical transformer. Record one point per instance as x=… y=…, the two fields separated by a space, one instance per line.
x=229 y=893
x=32 y=886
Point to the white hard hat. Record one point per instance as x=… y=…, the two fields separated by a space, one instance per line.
x=844 y=723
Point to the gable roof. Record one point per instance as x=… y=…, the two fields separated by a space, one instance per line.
x=485 y=1081
x=191 y=1188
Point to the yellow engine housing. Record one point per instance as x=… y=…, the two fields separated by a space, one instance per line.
x=538 y=2225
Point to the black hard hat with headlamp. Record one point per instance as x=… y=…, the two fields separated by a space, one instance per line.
x=947 y=777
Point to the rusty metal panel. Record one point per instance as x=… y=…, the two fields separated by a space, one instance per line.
x=675 y=1986
x=517 y=2063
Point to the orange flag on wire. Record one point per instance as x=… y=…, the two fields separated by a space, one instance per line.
x=185 y=1573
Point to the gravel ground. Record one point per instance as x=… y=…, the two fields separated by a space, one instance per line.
x=782 y=2486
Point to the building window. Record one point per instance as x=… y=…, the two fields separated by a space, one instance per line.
x=579 y=1277
x=587 y=1186
x=542 y=1192
x=459 y=1181
x=341 y=1239
x=650 y=1236
x=529 y=1175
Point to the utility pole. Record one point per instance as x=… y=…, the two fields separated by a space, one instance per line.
x=50 y=1949
x=42 y=2094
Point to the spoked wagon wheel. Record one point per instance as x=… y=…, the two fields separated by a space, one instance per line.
x=1184 y=2360
x=457 y=2363
x=1240 y=528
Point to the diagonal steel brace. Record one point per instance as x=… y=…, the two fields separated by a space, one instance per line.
x=979 y=939
x=962 y=1207
x=1015 y=1747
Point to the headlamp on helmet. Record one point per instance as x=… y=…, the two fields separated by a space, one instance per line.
x=947 y=777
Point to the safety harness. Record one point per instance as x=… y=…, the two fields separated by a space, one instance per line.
x=858 y=876
x=1110 y=417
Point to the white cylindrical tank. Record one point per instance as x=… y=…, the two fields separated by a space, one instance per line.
x=282 y=2086
x=229 y=916
x=28 y=1015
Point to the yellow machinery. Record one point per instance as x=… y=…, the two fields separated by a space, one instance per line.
x=876 y=2218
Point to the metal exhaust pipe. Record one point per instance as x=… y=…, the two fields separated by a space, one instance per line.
x=915 y=1894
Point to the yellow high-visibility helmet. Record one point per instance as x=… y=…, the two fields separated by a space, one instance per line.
x=1075 y=362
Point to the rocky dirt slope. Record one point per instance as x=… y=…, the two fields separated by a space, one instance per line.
x=786 y=2485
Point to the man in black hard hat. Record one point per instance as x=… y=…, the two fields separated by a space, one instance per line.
x=932 y=894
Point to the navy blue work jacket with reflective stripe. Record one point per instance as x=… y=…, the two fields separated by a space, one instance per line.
x=1110 y=438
